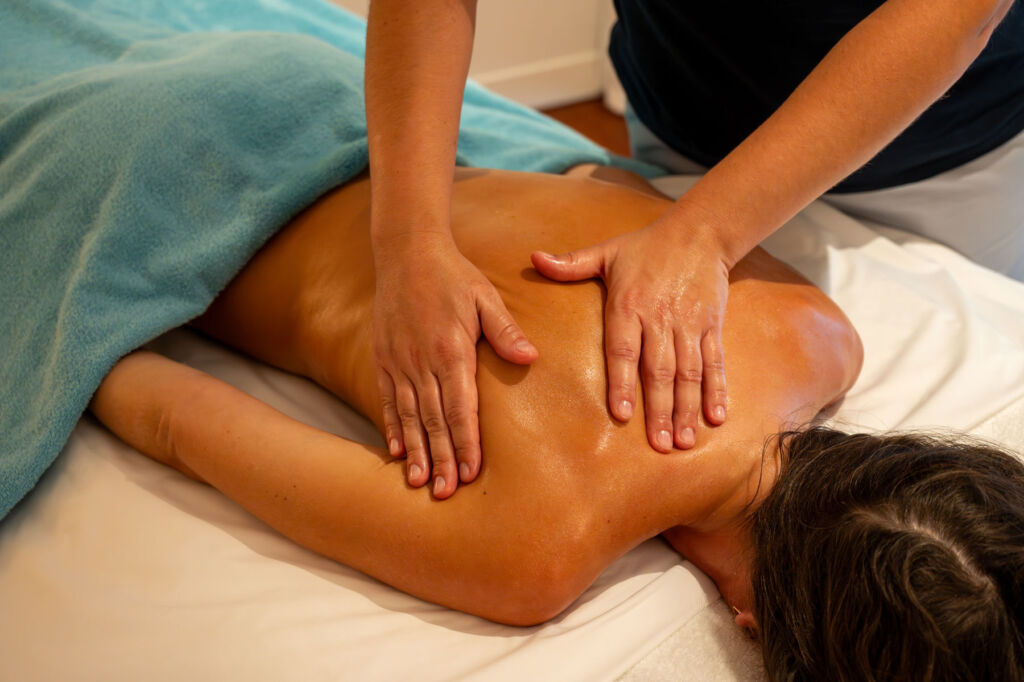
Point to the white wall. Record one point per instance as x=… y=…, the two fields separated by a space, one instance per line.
x=539 y=52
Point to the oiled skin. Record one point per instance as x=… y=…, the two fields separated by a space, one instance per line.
x=564 y=489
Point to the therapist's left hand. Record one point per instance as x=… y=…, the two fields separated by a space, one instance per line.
x=667 y=290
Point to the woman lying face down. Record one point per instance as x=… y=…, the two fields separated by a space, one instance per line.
x=845 y=553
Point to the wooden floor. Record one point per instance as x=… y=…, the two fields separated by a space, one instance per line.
x=593 y=120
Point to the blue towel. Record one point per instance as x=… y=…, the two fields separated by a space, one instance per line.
x=147 y=149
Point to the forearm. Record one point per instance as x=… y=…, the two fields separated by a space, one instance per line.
x=185 y=418
x=883 y=74
x=133 y=401
x=417 y=60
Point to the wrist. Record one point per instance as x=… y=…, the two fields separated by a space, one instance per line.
x=407 y=221
x=399 y=205
x=698 y=229
x=406 y=244
x=394 y=216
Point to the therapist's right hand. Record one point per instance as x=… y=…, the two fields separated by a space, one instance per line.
x=430 y=308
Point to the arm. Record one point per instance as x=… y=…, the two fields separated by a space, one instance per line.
x=667 y=283
x=880 y=77
x=431 y=303
x=341 y=499
x=417 y=60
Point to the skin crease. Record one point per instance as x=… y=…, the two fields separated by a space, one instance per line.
x=564 y=488
x=666 y=279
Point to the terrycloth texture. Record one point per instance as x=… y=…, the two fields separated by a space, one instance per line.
x=147 y=150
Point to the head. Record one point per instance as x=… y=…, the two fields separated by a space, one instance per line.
x=895 y=557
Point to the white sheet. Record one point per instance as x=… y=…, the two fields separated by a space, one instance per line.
x=117 y=568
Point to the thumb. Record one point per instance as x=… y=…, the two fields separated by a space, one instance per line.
x=571 y=266
x=505 y=336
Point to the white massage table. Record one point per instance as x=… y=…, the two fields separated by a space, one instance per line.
x=118 y=568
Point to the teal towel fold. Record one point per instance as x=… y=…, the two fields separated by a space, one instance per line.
x=147 y=149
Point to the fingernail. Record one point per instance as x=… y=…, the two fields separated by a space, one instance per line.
x=464 y=472
x=393 y=446
x=664 y=439
x=414 y=471
x=524 y=346
x=719 y=413
x=438 y=485
x=686 y=437
x=625 y=410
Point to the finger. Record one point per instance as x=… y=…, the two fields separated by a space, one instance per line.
x=392 y=424
x=505 y=336
x=571 y=266
x=658 y=370
x=622 y=333
x=459 y=400
x=417 y=462
x=687 y=391
x=442 y=454
x=713 y=357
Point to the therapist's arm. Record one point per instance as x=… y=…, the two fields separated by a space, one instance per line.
x=870 y=87
x=431 y=303
x=667 y=282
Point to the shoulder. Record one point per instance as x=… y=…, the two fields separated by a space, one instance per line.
x=796 y=325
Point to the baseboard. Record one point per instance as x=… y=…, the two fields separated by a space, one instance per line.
x=549 y=82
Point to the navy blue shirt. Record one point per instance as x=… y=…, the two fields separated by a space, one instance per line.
x=703 y=74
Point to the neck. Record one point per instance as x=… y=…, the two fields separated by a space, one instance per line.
x=719 y=545
x=724 y=555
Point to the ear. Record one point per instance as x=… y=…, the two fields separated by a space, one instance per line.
x=745 y=619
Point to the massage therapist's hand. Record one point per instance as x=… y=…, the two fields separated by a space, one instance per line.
x=667 y=289
x=431 y=305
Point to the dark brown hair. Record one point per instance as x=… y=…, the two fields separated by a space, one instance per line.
x=895 y=557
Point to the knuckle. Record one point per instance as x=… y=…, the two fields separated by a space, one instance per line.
x=627 y=302
x=442 y=458
x=714 y=366
x=467 y=452
x=623 y=351
x=689 y=375
x=399 y=362
x=443 y=348
x=663 y=309
x=417 y=453
x=508 y=331
x=448 y=350
x=624 y=390
x=434 y=424
x=660 y=419
x=388 y=404
x=408 y=416
x=415 y=360
x=459 y=414
x=659 y=375
x=685 y=419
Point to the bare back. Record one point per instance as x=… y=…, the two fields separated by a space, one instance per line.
x=305 y=304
